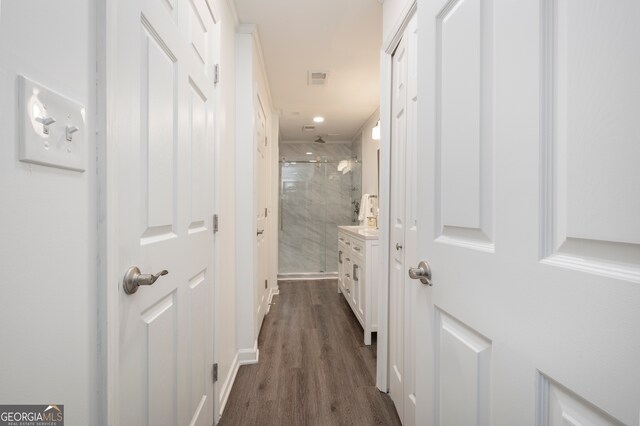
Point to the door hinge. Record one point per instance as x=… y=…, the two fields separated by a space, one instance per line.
x=216 y=73
x=215 y=223
x=214 y=372
x=265 y=212
x=265 y=284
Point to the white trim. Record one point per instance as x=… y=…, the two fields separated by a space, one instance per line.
x=272 y=292
x=225 y=390
x=391 y=42
x=245 y=223
x=388 y=47
x=234 y=12
x=216 y=51
x=249 y=356
x=253 y=30
x=107 y=153
x=382 y=367
x=242 y=357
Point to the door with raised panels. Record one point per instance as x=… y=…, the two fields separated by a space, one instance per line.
x=402 y=249
x=262 y=191
x=163 y=127
x=529 y=212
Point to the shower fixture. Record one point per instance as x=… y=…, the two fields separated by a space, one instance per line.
x=320 y=140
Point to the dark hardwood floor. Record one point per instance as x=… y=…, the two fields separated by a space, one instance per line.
x=313 y=369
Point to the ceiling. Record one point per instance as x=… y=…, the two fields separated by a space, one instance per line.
x=342 y=37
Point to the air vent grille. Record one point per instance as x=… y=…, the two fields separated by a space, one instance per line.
x=317 y=78
x=308 y=128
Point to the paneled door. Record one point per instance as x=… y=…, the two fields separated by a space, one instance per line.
x=262 y=191
x=402 y=249
x=529 y=212
x=163 y=126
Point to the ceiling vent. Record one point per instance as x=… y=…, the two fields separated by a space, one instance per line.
x=317 y=78
x=308 y=128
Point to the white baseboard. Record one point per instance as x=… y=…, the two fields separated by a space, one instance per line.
x=243 y=357
x=272 y=292
x=249 y=356
x=225 y=390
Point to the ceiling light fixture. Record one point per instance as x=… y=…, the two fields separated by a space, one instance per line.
x=318 y=119
x=309 y=153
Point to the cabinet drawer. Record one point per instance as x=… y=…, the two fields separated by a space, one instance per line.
x=357 y=247
x=342 y=238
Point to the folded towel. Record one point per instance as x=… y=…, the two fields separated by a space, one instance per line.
x=364 y=209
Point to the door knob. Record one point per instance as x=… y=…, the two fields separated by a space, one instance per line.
x=134 y=279
x=398 y=246
x=422 y=273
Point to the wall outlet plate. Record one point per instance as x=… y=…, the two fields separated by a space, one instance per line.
x=48 y=144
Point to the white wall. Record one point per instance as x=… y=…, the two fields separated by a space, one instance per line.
x=225 y=296
x=369 y=155
x=251 y=80
x=48 y=238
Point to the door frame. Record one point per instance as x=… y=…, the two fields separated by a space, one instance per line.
x=109 y=276
x=386 y=63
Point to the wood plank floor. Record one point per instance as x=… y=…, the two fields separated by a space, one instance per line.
x=314 y=368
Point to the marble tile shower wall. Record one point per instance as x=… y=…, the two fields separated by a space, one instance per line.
x=315 y=198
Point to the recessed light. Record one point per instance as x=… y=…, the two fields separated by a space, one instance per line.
x=318 y=119
x=309 y=153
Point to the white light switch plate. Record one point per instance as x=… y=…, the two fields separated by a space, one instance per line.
x=36 y=103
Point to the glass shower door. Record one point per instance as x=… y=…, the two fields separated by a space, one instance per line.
x=315 y=198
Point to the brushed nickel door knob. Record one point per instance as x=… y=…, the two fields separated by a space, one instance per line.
x=422 y=273
x=134 y=279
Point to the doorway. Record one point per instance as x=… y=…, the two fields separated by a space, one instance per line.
x=316 y=196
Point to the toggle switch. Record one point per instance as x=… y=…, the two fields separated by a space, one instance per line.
x=70 y=131
x=45 y=121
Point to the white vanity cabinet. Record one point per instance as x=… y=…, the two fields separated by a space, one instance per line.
x=358 y=255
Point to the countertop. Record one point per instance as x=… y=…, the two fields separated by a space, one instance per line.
x=362 y=232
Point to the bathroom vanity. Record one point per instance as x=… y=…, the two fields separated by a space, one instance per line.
x=358 y=276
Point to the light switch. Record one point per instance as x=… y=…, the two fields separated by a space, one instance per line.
x=52 y=128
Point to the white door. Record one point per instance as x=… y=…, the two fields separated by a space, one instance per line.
x=529 y=209
x=262 y=191
x=162 y=118
x=403 y=227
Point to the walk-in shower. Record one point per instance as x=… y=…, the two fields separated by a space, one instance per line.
x=320 y=188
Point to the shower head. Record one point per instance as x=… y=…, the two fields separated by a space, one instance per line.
x=320 y=140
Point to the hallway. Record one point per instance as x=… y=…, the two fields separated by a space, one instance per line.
x=313 y=368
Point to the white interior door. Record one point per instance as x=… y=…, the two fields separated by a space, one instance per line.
x=262 y=191
x=403 y=225
x=411 y=224
x=163 y=128
x=529 y=205
x=397 y=225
